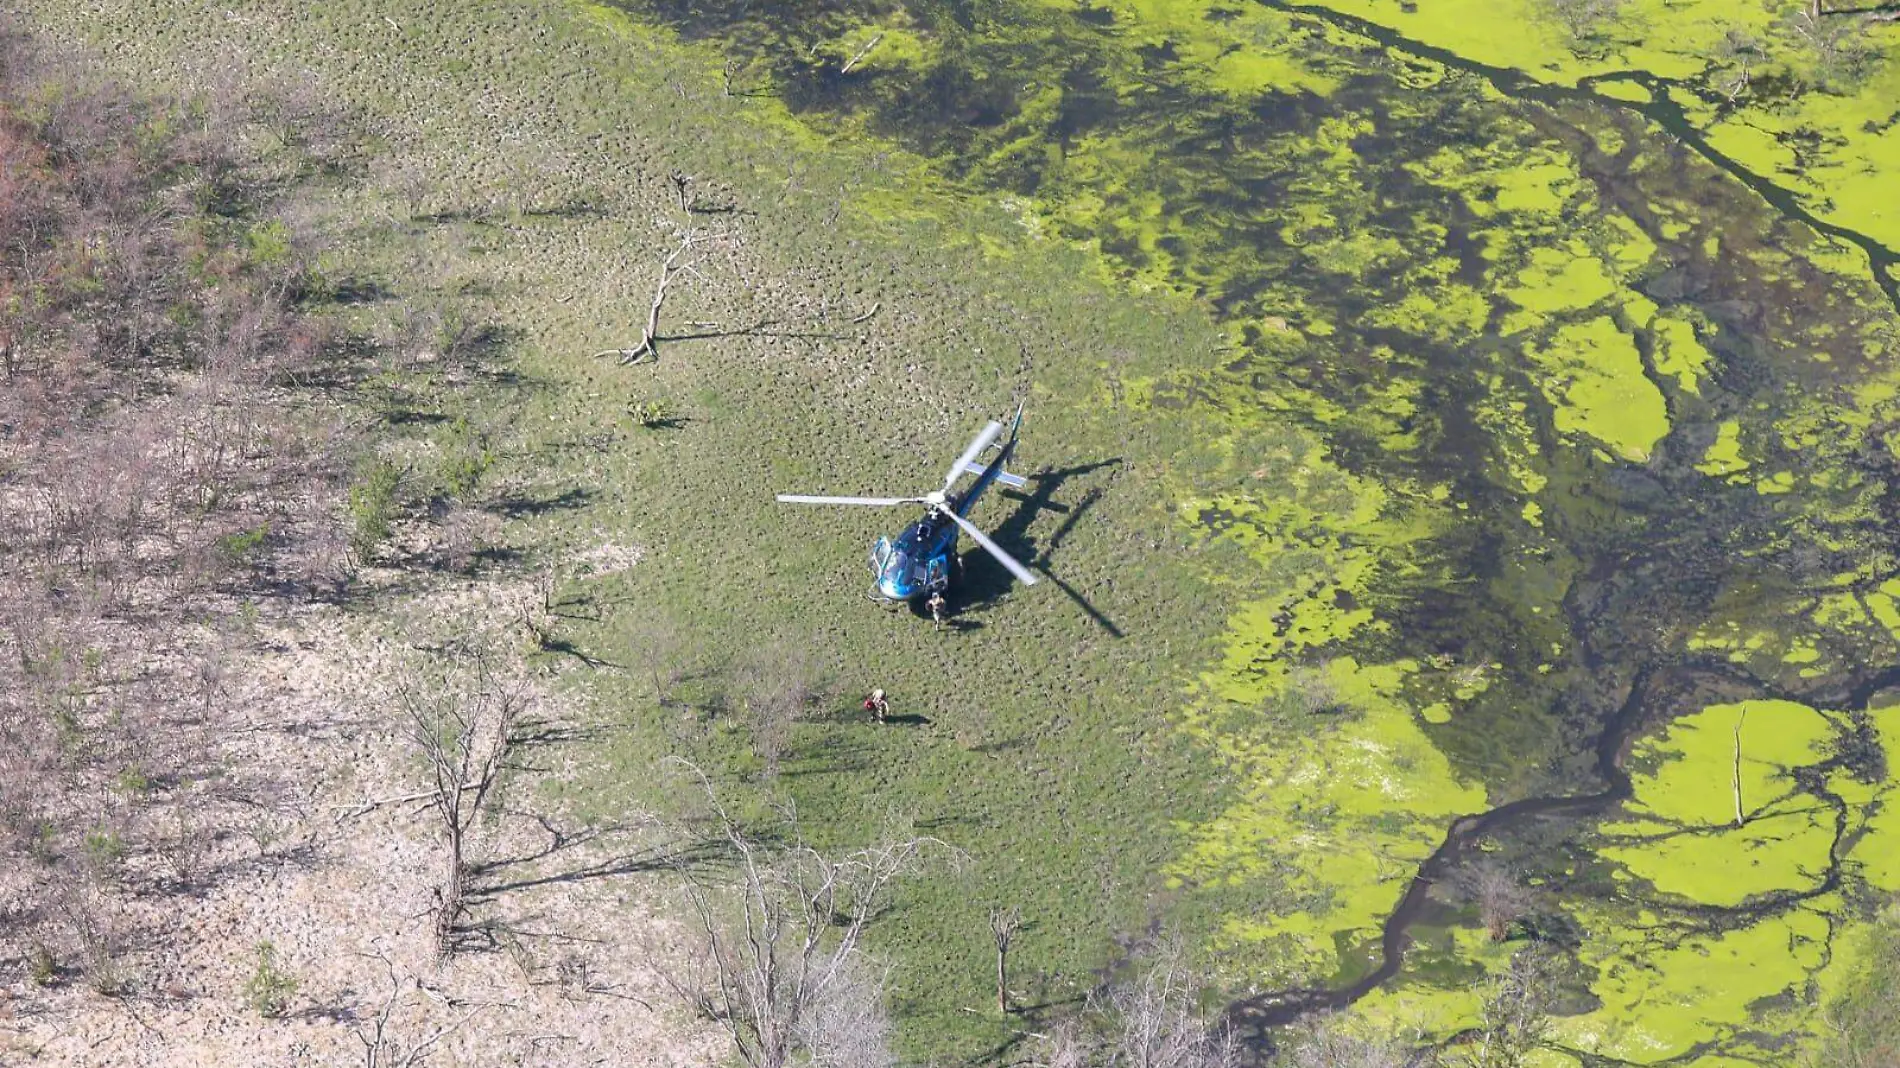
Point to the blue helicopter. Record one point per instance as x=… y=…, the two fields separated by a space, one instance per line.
x=917 y=562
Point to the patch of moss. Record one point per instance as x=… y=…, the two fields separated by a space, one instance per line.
x=1681 y=834
x=1596 y=380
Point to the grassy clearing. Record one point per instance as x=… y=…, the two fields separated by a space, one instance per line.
x=527 y=150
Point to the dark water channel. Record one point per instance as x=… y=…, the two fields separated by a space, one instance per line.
x=1592 y=609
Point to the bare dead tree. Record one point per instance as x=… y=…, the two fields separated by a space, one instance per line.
x=1838 y=50
x=460 y=713
x=1004 y=923
x=670 y=267
x=1515 y=1016
x=1501 y=898
x=779 y=964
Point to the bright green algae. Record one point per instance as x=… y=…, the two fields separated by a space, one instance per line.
x=1839 y=150
x=1521 y=404
x=1680 y=835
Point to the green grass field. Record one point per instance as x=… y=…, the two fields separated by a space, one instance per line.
x=1034 y=731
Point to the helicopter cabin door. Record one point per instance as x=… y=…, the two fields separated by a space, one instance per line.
x=937 y=574
x=881 y=556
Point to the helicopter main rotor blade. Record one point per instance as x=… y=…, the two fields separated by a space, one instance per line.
x=983 y=440
x=875 y=502
x=992 y=548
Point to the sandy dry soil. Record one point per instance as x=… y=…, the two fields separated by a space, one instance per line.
x=565 y=975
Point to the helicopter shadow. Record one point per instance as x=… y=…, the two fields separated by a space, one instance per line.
x=984 y=580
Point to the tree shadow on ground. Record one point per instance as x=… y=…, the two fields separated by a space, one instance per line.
x=521 y=506
x=663 y=856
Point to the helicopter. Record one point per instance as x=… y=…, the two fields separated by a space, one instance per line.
x=917 y=562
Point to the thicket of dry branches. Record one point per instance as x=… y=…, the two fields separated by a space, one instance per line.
x=167 y=464
x=778 y=960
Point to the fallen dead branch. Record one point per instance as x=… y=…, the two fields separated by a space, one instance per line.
x=381 y=1048
x=364 y=808
x=862 y=52
x=646 y=348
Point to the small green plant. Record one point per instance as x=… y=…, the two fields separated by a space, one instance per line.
x=651 y=414
x=373 y=505
x=247 y=617
x=67 y=727
x=103 y=849
x=243 y=546
x=269 y=244
x=133 y=781
x=269 y=989
x=43 y=842
x=41 y=966
x=466 y=457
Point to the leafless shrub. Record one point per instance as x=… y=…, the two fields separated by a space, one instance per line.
x=1160 y=1022
x=661 y=651
x=186 y=847
x=460 y=706
x=1501 y=898
x=778 y=687
x=464 y=533
x=93 y=927
x=1310 y=691
x=160 y=463
x=1324 y=1043
x=1515 y=1016
x=1859 y=1027
x=847 y=1025
x=778 y=961
x=1584 y=20
x=1153 y=1020
x=1734 y=60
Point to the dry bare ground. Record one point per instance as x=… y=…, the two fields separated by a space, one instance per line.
x=553 y=960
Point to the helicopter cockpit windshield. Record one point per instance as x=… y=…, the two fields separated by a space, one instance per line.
x=902 y=575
